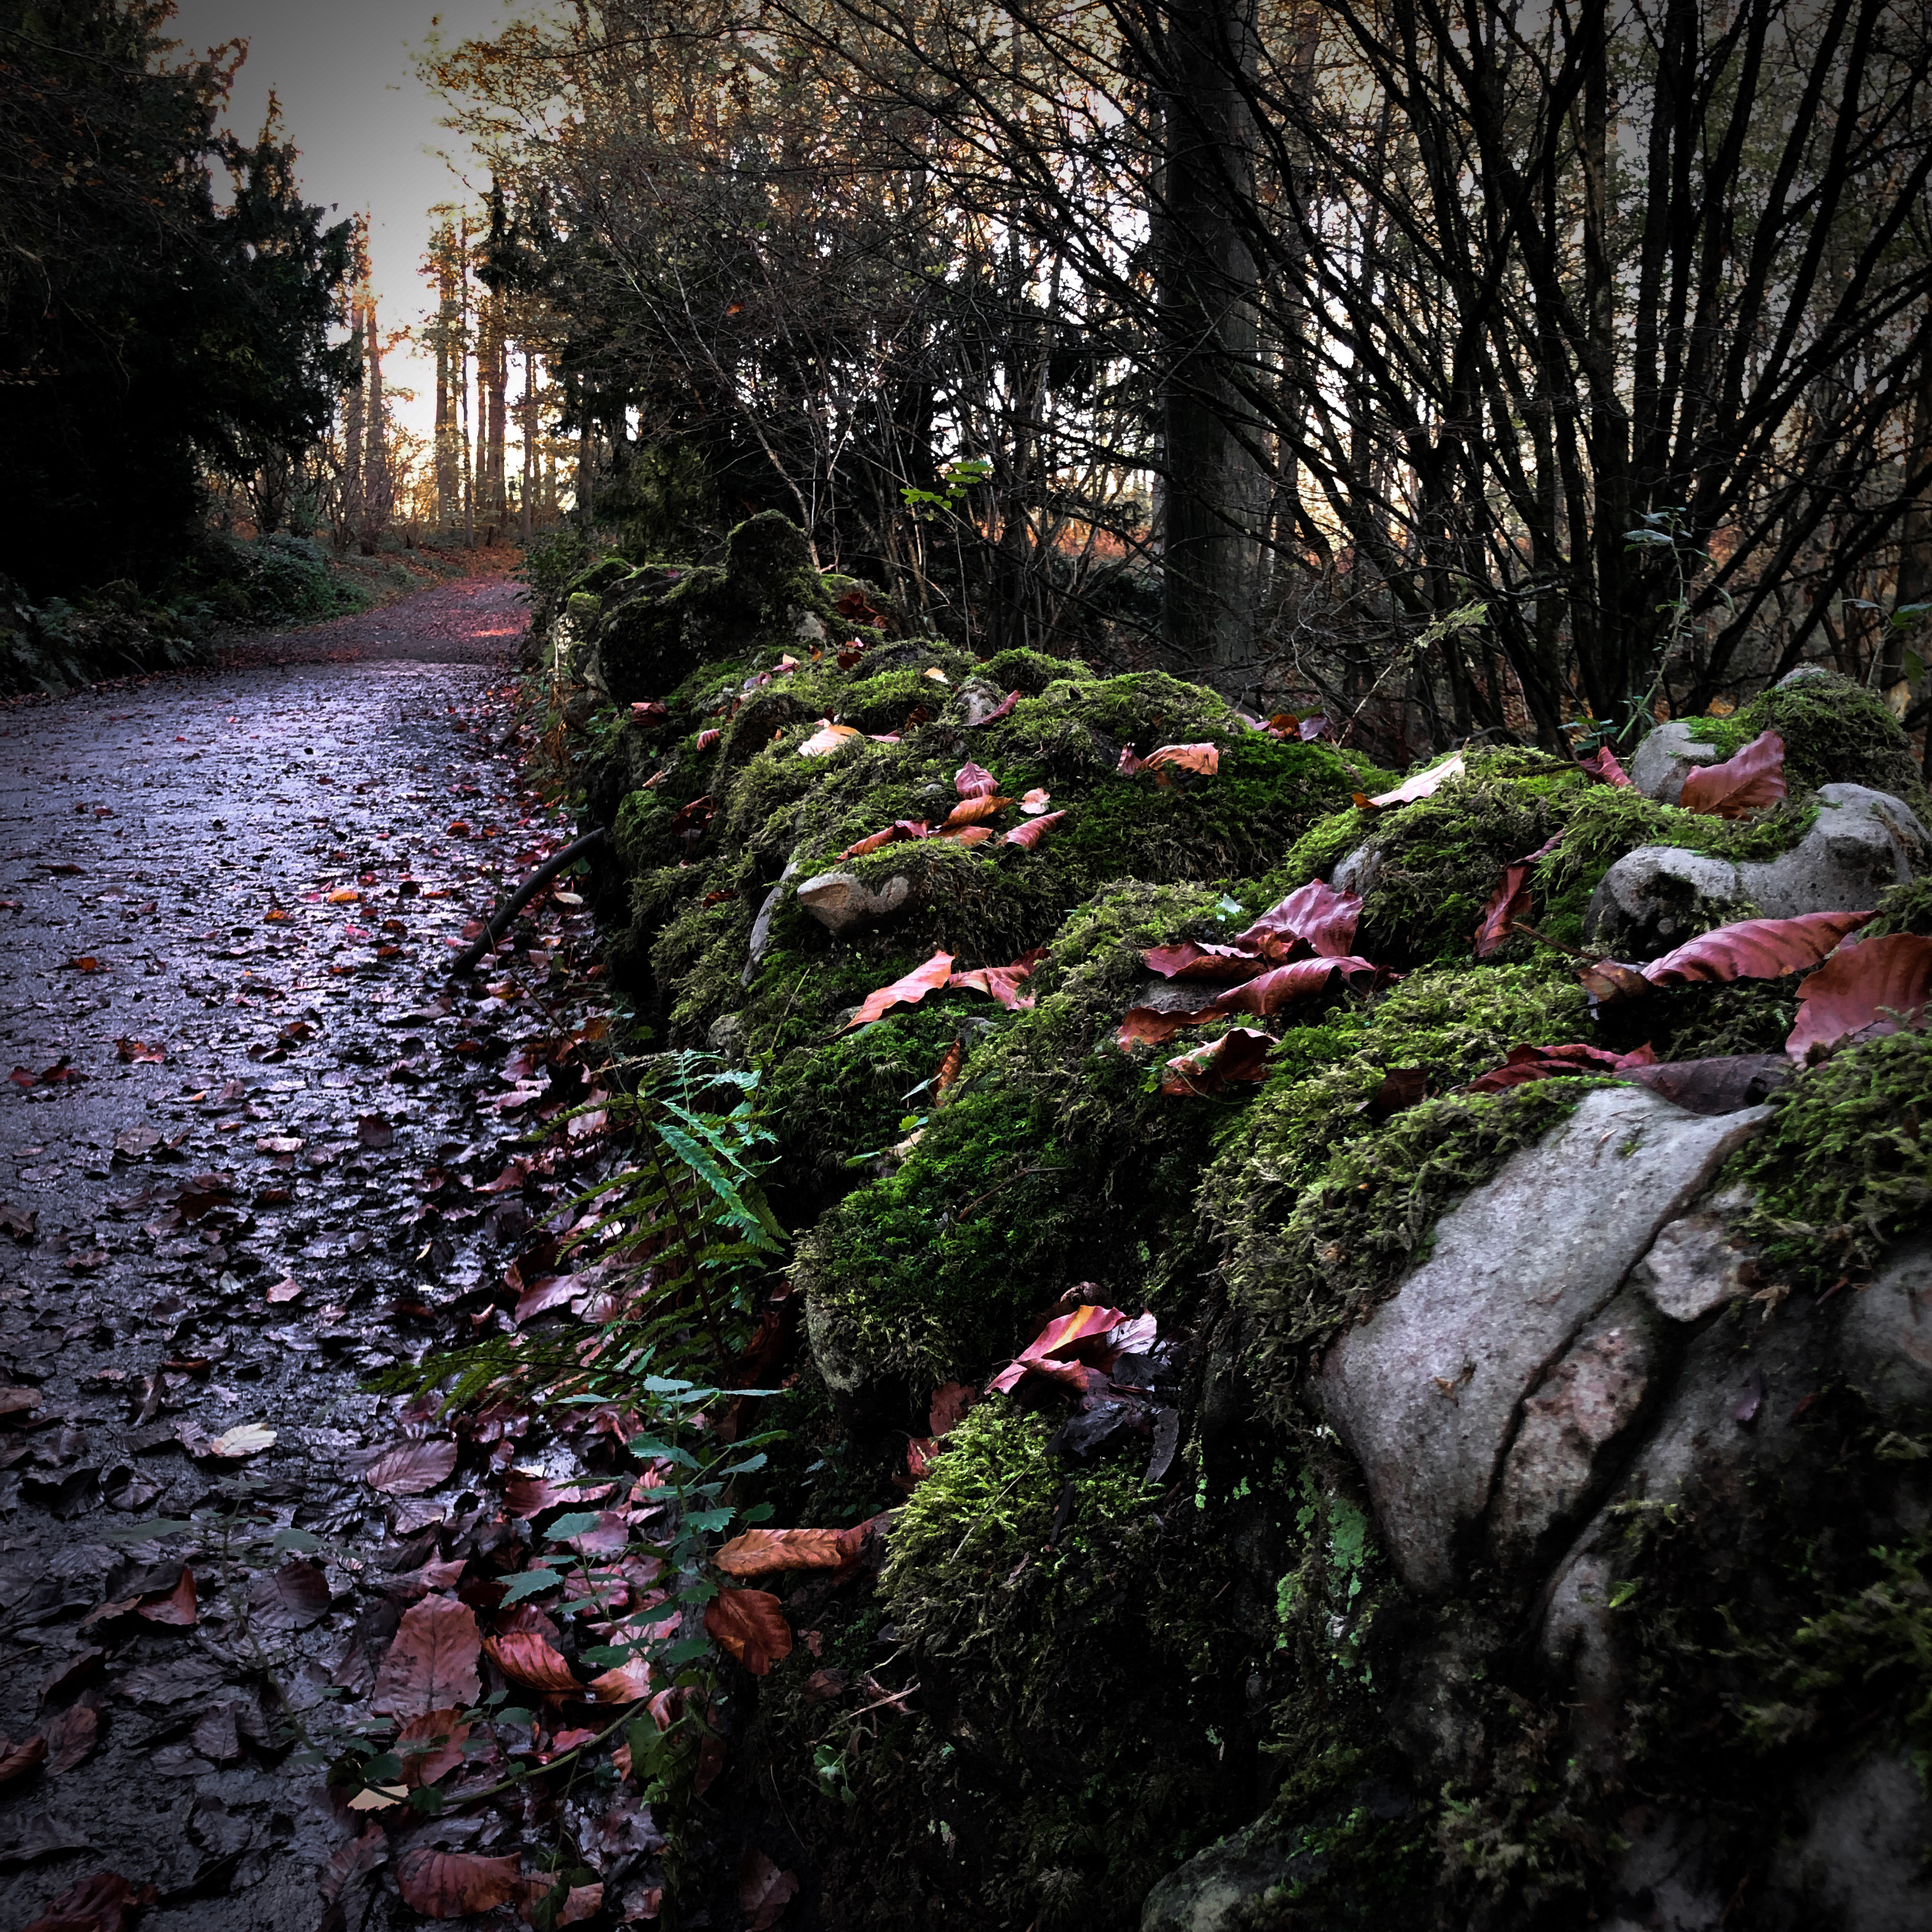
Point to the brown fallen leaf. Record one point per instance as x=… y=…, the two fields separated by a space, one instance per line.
x=1036 y=802
x=1027 y=836
x=413 y=1469
x=974 y=781
x=764 y=1890
x=140 y=1052
x=350 y=1861
x=19 y=1223
x=1874 y=988
x=1204 y=758
x=950 y=1401
x=974 y=810
x=750 y=1625
x=906 y=991
x=1751 y=778
x=105 y=1902
x=762 y=1552
x=1421 y=784
x=1523 y=1064
x=1240 y=1054
x=71 y=1736
x=708 y=737
x=528 y=1657
x=431 y=1664
x=1507 y=904
x=430 y=1746
x=623 y=1683
x=1602 y=763
x=1754 y=948
x=176 y=1606
x=455 y=1884
x=1314 y=918
x=828 y=739
x=1003 y=982
x=1043 y=1355
x=376 y=1130
x=17 y=1760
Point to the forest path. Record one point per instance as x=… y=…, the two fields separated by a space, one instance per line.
x=238 y=1233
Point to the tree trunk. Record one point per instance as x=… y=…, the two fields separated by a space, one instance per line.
x=1212 y=497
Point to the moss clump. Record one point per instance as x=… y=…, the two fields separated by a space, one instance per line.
x=1845 y=1167
x=1704 y=1022
x=1835 y=732
x=1342 y=1246
x=1905 y=908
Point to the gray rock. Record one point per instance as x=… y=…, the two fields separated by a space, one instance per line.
x=1804 y=674
x=1570 y=1423
x=1666 y=1880
x=1694 y=1266
x=1426 y=1392
x=1657 y=897
x=1666 y=758
x=1208 y=1892
x=1356 y=872
x=1885 y=1340
x=1860 y=1865
x=1862 y=843
x=761 y=926
x=842 y=902
x=1579 y=1643
x=977 y=701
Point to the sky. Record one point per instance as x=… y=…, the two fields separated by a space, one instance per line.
x=344 y=71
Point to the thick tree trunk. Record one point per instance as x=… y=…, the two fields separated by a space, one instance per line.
x=1213 y=500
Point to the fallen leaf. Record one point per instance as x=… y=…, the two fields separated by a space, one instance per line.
x=1002 y=983
x=1522 y=1064
x=411 y=1469
x=431 y=1664
x=707 y=738
x=348 y=895
x=379 y=1798
x=1205 y=759
x=1027 y=836
x=1719 y=1085
x=751 y=1626
x=967 y=835
x=1751 y=778
x=1602 y=763
x=762 y=1552
x=974 y=781
x=1422 y=784
x=245 y=1438
x=528 y=1657
x=764 y=1890
x=1401 y=1086
x=352 y=1861
x=623 y=1683
x=1240 y=1054
x=1283 y=985
x=934 y=672
x=643 y=710
x=827 y=739
x=105 y=1902
x=376 y=1130
x=455 y=1884
x=1868 y=989
x=139 y=1051
x=950 y=1401
x=1004 y=708
x=287 y=1289
x=176 y=1606
x=19 y=1401
x=905 y=991
x=973 y=811
x=17 y=1760
x=18 y=1221
x=1507 y=904
x=1035 y=801
x=899 y=829
x=1315 y=916
x=430 y=1746
x=1064 y=1332
x=1754 y=948
x=291 y=1598
x=85 y=963
x=70 y=1737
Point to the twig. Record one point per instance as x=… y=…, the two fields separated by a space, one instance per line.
x=498 y=923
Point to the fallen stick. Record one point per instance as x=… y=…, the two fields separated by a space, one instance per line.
x=499 y=922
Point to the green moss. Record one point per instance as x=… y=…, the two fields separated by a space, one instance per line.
x=1706 y=1022
x=1845 y=1167
x=1905 y=908
x=1030 y=672
x=1835 y=732
x=1317 y=851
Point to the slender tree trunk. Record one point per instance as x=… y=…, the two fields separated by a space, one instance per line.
x=350 y=523
x=529 y=442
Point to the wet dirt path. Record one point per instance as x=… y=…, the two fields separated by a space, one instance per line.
x=246 y=1107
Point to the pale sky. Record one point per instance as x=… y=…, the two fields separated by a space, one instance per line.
x=345 y=73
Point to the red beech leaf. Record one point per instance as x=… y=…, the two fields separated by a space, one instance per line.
x=411 y=1469
x=431 y=1664
x=1154 y=1026
x=1866 y=990
x=1002 y=983
x=967 y=835
x=17 y=1760
x=529 y=1657
x=950 y=1401
x=751 y=1626
x=1420 y=785
x=1300 y=980
x=625 y=1683
x=973 y=811
x=176 y=1606
x=352 y=1860
x=708 y=737
x=1240 y=1054
x=763 y=1553
x=1036 y=801
x=1754 y=948
x=1607 y=982
x=1063 y=1332
x=1602 y=763
x=105 y=1902
x=1526 y=1063
x=70 y=1737
x=764 y=1890
x=906 y=991
x=972 y=780
x=1190 y=959
x=1027 y=836
x=899 y=829
x=827 y=739
x=455 y=1884
x=430 y=1746
x=1314 y=917
x=1205 y=759
x=1752 y=777
x=1507 y=904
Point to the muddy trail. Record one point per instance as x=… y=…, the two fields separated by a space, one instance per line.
x=252 y=1129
